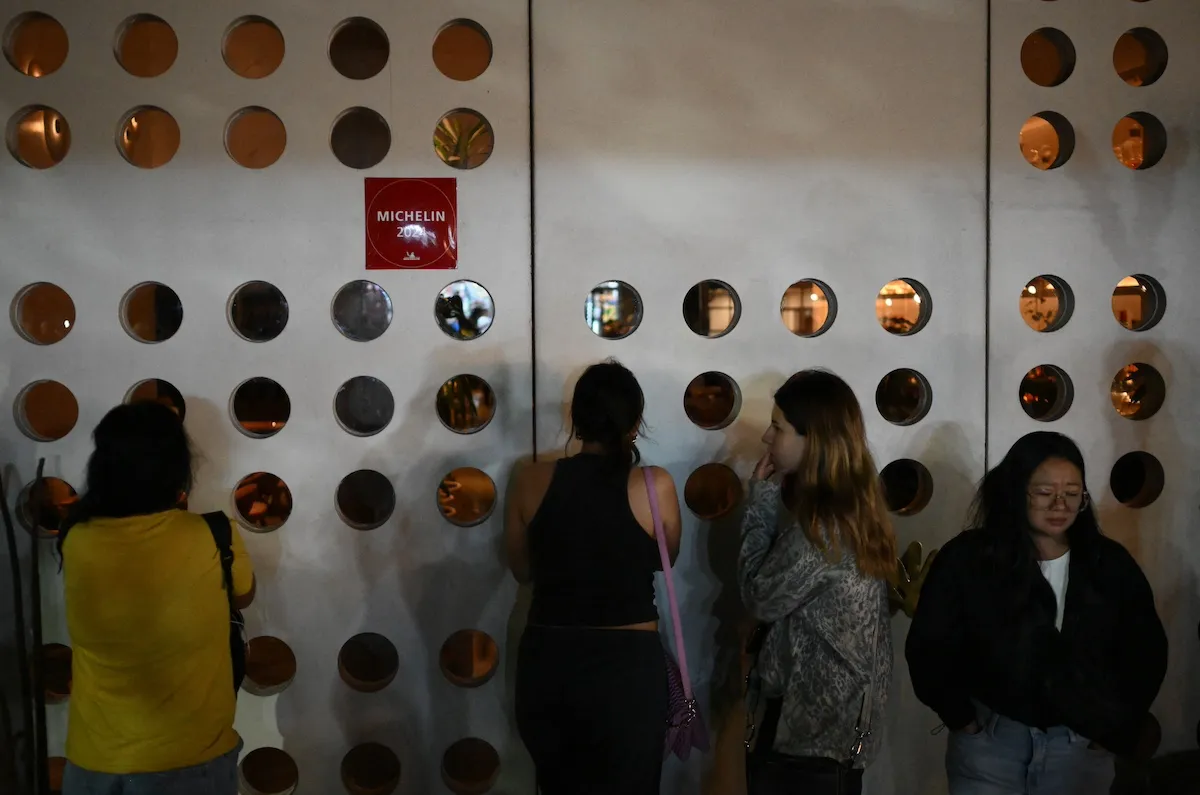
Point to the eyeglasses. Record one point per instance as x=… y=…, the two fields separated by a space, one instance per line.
x=1046 y=499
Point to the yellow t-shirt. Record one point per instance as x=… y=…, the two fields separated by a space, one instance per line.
x=152 y=682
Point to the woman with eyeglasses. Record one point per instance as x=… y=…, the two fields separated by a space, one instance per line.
x=1036 y=639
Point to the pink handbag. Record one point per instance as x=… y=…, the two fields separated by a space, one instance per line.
x=685 y=726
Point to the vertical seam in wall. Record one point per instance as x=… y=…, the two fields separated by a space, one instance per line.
x=533 y=413
x=987 y=243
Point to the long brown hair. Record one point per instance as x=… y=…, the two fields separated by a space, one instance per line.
x=836 y=486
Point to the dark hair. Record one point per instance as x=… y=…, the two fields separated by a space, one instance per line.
x=142 y=464
x=606 y=409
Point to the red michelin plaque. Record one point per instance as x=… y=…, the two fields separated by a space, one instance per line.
x=412 y=224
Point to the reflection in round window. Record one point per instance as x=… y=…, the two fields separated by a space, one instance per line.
x=255 y=137
x=46 y=411
x=364 y=405
x=1139 y=141
x=258 y=311
x=613 y=310
x=362 y=311
x=1139 y=302
x=712 y=491
x=56 y=672
x=270 y=666
x=268 y=770
x=1046 y=393
x=469 y=658
x=712 y=401
x=808 y=308
x=148 y=138
x=365 y=499
x=370 y=768
x=359 y=48
x=462 y=50
x=1140 y=57
x=711 y=309
x=1048 y=57
x=253 y=47
x=907 y=486
x=464 y=310
x=360 y=138
x=1047 y=140
x=260 y=407
x=151 y=312
x=146 y=46
x=155 y=390
x=263 y=501
x=903 y=397
x=44 y=507
x=466 y=404
x=368 y=662
x=36 y=44
x=38 y=137
x=1047 y=303
x=903 y=307
x=43 y=313
x=463 y=139
x=470 y=765
x=466 y=497
x=1138 y=391
x=1137 y=479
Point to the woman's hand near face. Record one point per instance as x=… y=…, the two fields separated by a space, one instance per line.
x=765 y=467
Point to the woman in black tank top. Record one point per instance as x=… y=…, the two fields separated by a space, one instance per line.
x=591 y=675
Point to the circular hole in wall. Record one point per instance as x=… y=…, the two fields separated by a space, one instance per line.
x=36 y=44
x=808 y=308
x=466 y=496
x=613 y=310
x=365 y=499
x=370 y=769
x=462 y=50
x=253 y=47
x=1046 y=303
x=157 y=390
x=38 y=137
x=43 y=313
x=43 y=508
x=470 y=766
x=1139 y=141
x=907 y=486
x=1048 y=57
x=712 y=491
x=1140 y=57
x=1137 y=479
x=46 y=411
x=1047 y=140
x=255 y=137
x=469 y=658
x=358 y=48
x=360 y=138
x=1046 y=393
x=712 y=401
x=1139 y=302
x=1138 y=391
x=56 y=672
x=146 y=46
x=463 y=139
x=368 y=662
x=466 y=404
x=148 y=137
x=712 y=309
x=1149 y=739
x=260 y=407
x=258 y=311
x=364 y=405
x=270 y=666
x=263 y=501
x=55 y=767
x=362 y=311
x=464 y=310
x=903 y=397
x=903 y=307
x=151 y=312
x=267 y=771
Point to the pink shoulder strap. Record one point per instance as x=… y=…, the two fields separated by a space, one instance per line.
x=661 y=534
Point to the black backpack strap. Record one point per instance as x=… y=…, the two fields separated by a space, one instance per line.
x=222 y=533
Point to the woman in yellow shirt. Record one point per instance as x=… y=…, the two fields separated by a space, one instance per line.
x=152 y=701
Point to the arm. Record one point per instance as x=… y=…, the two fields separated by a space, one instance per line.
x=245 y=584
x=668 y=506
x=777 y=574
x=516 y=543
x=1143 y=646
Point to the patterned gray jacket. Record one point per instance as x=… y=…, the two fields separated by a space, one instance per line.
x=825 y=619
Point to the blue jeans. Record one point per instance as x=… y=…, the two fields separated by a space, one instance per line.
x=1009 y=758
x=218 y=777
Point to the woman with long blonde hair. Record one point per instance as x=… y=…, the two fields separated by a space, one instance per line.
x=817 y=553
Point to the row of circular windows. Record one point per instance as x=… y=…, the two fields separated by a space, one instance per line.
x=1139 y=57
x=36 y=45
x=148 y=137
x=1047 y=140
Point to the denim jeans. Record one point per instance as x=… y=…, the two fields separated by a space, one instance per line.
x=218 y=777
x=1009 y=758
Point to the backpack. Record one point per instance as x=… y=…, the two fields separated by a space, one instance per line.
x=222 y=533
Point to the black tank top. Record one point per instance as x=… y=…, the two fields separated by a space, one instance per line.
x=593 y=565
